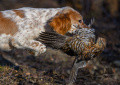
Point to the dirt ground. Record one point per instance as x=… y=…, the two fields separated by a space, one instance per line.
x=53 y=67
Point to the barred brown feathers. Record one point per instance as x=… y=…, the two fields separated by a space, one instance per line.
x=82 y=43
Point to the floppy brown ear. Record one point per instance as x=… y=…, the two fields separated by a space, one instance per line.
x=61 y=23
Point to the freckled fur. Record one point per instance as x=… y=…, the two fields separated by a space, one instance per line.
x=21 y=26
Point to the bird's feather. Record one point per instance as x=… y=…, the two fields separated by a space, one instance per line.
x=52 y=39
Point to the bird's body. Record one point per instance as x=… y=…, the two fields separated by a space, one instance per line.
x=83 y=38
x=82 y=43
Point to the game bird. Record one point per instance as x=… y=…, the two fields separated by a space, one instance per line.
x=83 y=45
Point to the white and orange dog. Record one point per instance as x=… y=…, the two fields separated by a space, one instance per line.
x=21 y=26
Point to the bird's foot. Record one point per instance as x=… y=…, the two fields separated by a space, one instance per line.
x=74 y=71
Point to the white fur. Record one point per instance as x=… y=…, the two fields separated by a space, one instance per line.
x=29 y=28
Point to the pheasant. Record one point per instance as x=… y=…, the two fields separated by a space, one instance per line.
x=82 y=45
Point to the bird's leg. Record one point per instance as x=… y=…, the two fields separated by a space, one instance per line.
x=73 y=74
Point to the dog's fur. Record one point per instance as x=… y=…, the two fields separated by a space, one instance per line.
x=21 y=26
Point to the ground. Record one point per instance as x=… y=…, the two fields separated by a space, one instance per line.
x=53 y=67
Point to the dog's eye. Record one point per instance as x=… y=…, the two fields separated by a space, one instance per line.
x=80 y=21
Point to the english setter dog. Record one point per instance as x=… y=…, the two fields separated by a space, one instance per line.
x=20 y=27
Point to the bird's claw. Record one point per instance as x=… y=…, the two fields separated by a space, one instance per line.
x=80 y=64
x=74 y=70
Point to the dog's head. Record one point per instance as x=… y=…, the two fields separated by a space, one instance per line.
x=68 y=20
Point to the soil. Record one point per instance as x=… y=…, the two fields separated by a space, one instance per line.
x=53 y=67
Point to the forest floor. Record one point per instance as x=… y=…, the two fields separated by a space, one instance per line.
x=53 y=67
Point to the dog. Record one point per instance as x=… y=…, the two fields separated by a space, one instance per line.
x=20 y=27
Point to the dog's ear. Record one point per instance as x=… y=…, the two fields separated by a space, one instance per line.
x=61 y=23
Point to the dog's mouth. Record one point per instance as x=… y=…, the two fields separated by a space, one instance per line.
x=75 y=26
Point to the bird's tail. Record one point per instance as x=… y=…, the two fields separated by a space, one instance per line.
x=52 y=39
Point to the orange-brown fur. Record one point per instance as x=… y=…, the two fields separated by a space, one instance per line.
x=57 y=23
x=20 y=13
x=61 y=23
x=7 y=26
x=75 y=17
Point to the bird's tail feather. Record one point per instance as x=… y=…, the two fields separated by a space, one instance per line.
x=52 y=39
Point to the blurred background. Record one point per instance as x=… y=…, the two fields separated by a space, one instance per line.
x=50 y=68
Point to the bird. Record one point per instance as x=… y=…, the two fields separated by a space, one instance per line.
x=83 y=45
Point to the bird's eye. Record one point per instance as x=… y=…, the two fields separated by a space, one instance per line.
x=80 y=21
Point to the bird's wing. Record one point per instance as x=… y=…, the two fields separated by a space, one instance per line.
x=52 y=39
